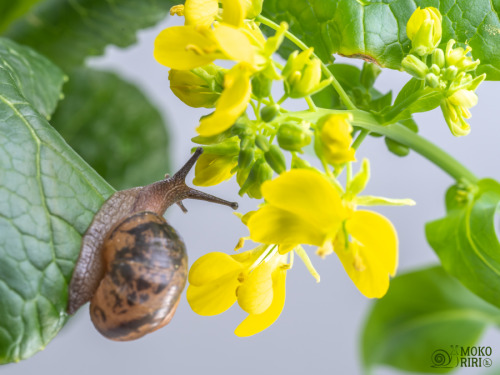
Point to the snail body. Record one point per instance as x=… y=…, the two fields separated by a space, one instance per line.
x=133 y=265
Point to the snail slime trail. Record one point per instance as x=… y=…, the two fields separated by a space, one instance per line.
x=133 y=265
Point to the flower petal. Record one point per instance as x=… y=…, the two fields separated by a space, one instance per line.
x=308 y=194
x=256 y=291
x=373 y=255
x=234 y=43
x=213 y=266
x=256 y=323
x=185 y=47
x=231 y=104
x=214 y=298
x=200 y=12
x=273 y=225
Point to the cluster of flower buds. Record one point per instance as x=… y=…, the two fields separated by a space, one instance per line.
x=449 y=71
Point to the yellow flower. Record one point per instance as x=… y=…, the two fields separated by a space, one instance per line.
x=424 y=30
x=455 y=114
x=302 y=207
x=333 y=139
x=372 y=253
x=231 y=104
x=213 y=169
x=218 y=280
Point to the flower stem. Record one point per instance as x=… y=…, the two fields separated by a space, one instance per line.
x=336 y=85
x=401 y=134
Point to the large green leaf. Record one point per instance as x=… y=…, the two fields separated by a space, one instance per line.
x=465 y=239
x=422 y=316
x=69 y=31
x=10 y=10
x=114 y=127
x=376 y=30
x=48 y=196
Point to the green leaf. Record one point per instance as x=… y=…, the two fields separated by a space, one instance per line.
x=376 y=30
x=48 y=196
x=423 y=312
x=465 y=239
x=10 y=10
x=114 y=127
x=69 y=31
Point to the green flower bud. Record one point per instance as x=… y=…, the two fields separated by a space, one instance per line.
x=275 y=158
x=450 y=73
x=414 y=66
x=435 y=69
x=269 y=112
x=432 y=80
x=396 y=148
x=438 y=58
x=261 y=86
x=230 y=146
x=253 y=8
x=424 y=30
x=259 y=173
x=293 y=137
x=262 y=142
x=200 y=87
x=245 y=161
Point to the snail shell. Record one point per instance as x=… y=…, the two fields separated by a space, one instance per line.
x=146 y=270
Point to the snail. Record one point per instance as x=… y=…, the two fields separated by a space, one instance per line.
x=132 y=265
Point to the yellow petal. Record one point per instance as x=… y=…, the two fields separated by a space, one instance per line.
x=213 y=169
x=200 y=12
x=307 y=194
x=214 y=298
x=234 y=43
x=234 y=12
x=231 y=104
x=256 y=323
x=372 y=255
x=273 y=225
x=185 y=47
x=256 y=291
x=213 y=266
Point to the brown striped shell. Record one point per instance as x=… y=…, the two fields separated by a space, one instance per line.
x=146 y=270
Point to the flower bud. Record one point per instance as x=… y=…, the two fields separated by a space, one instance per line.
x=275 y=158
x=261 y=86
x=455 y=118
x=450 y=73
x=213 y=169
x=259 y=173
x=396 y=148
x=199 y=87
x=414 y=66
x=293 y=137
x=424 y=30
x=332 y=140
x=269 y=112
x=438 y=58
x=303 y=75
x=432 y=80
x=230 y=146
x=262 y=142
x=253 y=8
x=463 y=98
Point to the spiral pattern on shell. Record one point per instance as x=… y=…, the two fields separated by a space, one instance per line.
x=146 y=269
x=440 y=358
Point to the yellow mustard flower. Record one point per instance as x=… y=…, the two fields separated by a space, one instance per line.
x=302 y=207
x=424 y=30
x=232 y=102
x=218 y=280
x=455 y=114
x=371 y=256
x=333 y=139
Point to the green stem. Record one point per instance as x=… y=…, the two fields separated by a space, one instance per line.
x=360 y=138
x=403 y=135
x=299 y=43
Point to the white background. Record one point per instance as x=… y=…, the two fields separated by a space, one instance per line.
x=319 y=329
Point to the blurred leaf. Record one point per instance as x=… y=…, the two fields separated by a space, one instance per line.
x=48 y=197
x=424 y=313
x=465 y=239
x=69 y=31
x=376 y=30
x=114 y=127
x=10 y=10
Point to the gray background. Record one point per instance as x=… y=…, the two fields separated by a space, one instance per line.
x=319 y=328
